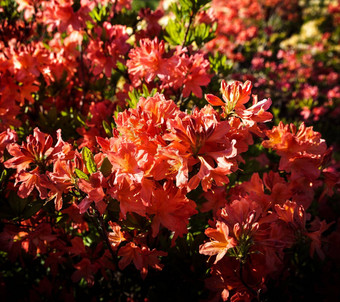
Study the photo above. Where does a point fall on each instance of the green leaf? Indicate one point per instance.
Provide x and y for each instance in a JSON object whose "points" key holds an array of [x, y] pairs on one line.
{"points": [[186, 5], [175, 31], [190, 238], [94, 15], [106, 167], [3, 176], [81, 120], [133, 98], [107, 129], [118, 109], [153, 92], [81, 174], [89, 160], [145, 91], [121, 66], [31, 209], [17, 204]]}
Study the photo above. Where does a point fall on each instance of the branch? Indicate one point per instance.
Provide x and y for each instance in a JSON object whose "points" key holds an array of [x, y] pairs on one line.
{"points": [[192, 15], [253, 292], [102, 229]]}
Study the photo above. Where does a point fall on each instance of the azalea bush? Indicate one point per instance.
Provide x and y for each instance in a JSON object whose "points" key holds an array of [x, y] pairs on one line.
{"points": [[164, 151]]}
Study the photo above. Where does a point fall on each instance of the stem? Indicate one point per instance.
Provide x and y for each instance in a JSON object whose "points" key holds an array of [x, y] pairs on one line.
{"points": [[253, 292], [179, 97], [102, 229], [192, 15], [84, 86], [114, 8]]}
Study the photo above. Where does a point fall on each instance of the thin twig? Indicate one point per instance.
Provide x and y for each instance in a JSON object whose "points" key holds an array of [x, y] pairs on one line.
{"points": [[114, 8], [102, 229], [84, 85], [192, 15], [245, 284]]}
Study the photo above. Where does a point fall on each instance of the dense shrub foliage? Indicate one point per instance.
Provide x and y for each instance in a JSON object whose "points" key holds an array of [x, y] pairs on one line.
{"points": [[169, 151]]}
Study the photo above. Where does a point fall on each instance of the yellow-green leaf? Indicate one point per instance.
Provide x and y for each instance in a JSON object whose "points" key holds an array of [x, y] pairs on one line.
{"points": [[81, 174], [89, 160]]}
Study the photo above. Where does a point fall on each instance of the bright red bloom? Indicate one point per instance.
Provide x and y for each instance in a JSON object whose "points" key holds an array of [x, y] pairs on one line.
{"points": [[171, 208], [60, 14], [28, 181], [94, 190], [301, 150], [146, 62], [203, 139], [72, 43], [103, 55], [142, 258], [27, 6], [38, 153], [170, 164], [197, 76], [158, 108], [145, 125], [255, 114], [7, 137], [220, 242], [62, 179], [94, 186], [292, 214], [186, 72], [129, 198], [85, 269], [208, 175], [234, 95], [62, 150], [127, 162], [116, 236], [153, 27], [242, 216], [277, 190], [36, 149]]}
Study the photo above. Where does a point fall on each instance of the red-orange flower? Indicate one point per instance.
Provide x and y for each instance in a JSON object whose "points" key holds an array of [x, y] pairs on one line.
{"points": [[171, 208], [220, 242], [142, 257], [234, 95], [7, 137], [94, 190], [146, 62], [116, 236], [36, 149], [201, 138], [301, 150]]}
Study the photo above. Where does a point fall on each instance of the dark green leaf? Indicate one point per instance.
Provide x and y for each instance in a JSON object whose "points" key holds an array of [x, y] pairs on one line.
{"points": [[106, 167], [17, 204], [31, 209]]}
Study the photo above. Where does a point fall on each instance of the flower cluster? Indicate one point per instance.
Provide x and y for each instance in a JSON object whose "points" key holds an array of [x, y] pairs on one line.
{"points": [[191, 143], [240, 22], [149, 61], [261, 219]]}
